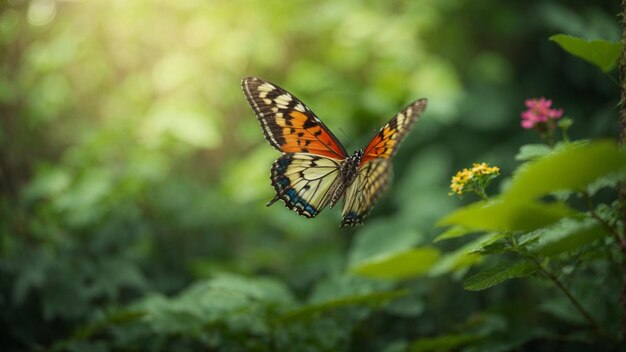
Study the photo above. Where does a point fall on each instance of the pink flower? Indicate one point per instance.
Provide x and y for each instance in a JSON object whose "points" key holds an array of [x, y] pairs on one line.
{"points": [[539, 113]]}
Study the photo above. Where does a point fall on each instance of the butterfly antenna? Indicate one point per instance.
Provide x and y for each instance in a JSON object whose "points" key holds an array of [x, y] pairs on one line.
{"points": [[345, 135]]}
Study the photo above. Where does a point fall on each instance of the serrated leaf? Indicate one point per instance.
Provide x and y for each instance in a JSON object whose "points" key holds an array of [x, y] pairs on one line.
{"points": [[531, 151], [453, 232], [492, 245], [502, 215], [609, 181], [601, 53], [494, 248], [529, 239], [399, 265], [571, 168], [568, 235], [497, 274]]}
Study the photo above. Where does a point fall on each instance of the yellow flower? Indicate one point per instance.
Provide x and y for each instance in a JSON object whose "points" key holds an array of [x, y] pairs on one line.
{"points": [[459, 180], [475, 179], [484, 169]]}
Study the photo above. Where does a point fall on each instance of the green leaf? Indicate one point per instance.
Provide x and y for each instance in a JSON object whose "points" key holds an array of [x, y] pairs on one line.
{"points": [[601, 53], [531, 151], [571, 168], [568, 235], [460, 259], [503, 215], [453, 232], [492, 244], [399, 265], [224, 299], [529, 239], [443, 343], [371, 298], [380, 239], [609, 181], [499, 273], [494, 248]]}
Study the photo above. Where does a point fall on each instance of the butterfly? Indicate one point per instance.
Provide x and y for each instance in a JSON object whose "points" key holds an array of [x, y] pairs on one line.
{"points": [[315, 170]]}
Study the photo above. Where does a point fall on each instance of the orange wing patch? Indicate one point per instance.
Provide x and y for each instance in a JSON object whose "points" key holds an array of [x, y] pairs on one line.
{"points": [[386, 141], [302, 135], [288, 124]]}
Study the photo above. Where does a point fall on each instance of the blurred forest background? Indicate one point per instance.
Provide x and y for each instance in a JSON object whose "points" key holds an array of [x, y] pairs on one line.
{"points": [[134, 175]]}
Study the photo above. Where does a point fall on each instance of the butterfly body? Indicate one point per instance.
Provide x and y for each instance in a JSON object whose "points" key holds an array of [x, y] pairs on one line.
{"points": [[347, 174], [315, 169]]}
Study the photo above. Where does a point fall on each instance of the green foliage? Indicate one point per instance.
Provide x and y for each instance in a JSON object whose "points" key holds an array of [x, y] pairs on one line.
{"points": [[535, 232], [443, 343], [601, 53], [232, 302], [497, 274], [572, 167], [531, 151], [453, 232], [399, 265], [312, 311], [133, 178], [461, 259], [507, 214], [567, 236]]}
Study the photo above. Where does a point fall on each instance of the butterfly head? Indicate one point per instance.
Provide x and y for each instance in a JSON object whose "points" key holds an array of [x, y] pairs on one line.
{"points": [[350, 167]]}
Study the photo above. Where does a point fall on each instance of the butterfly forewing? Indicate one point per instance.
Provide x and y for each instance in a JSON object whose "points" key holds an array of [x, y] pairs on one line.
{"points": [[305, 182], [288, 124], [385, 142]]}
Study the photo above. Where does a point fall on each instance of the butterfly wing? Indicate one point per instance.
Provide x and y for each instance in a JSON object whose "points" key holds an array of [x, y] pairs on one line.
{"points": [[305, 182], [375, 167], [288, 124], [361, 195], [385, 142]]}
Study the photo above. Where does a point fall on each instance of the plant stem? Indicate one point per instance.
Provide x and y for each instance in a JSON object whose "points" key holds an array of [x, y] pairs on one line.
{"points": [[548, 135], [567, 293], [621, 141], [614, 231], [525, 254], [482, 194]]}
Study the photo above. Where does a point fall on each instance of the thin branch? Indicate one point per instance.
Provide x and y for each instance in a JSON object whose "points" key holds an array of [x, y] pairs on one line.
{"points": [[569, 296], [513, 243], [614, 231]]}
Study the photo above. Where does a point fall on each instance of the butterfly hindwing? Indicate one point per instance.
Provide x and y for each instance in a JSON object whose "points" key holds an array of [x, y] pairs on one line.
{"points": [[305, 182], [385, 142], [361, 195], [288, 124]]}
